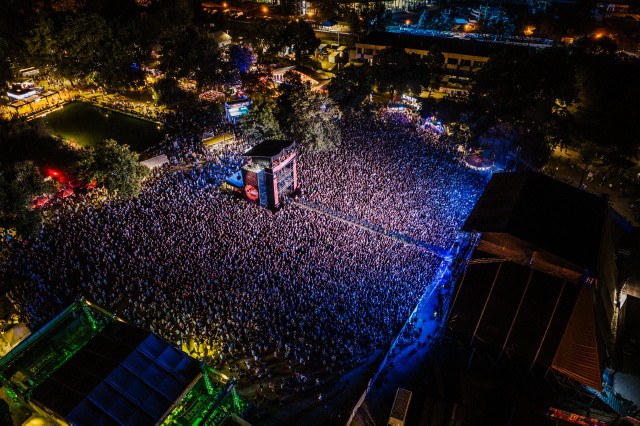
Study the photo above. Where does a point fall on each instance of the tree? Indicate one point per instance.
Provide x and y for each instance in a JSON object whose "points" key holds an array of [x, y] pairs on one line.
{"points": [[242, 56], [604, 114], [379, 17], [497, 142], [5, 65], [433, 63], [261, 123], [300, 37], [167, 91], [307, 116], [116, 166], [40, 43], [209, 68], [395, 70], [264, 37], [329, 9], [81, 45], [18, 186], [520, 88], [371, 17], [588, 151], [351, 87], [424, 19]]}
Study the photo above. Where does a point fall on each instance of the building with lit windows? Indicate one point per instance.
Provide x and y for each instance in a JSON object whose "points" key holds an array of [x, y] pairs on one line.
{"points": [[462, 57]]}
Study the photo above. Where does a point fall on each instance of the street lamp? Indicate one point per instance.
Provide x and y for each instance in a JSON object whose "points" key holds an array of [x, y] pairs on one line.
{"points": [[265, 9]]}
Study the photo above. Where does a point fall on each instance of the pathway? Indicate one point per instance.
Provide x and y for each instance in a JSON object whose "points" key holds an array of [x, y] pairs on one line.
{"points": [[438, 251]]}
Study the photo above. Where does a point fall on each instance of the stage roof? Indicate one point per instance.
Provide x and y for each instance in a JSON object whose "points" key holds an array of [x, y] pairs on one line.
{"points": [[535, 317], [124, 375], [269, 148], [88, 367], [519, 314], [542, 211]]}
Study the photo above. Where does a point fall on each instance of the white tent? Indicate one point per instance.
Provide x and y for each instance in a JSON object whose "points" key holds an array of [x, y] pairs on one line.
{"points": [[223, 39], [155, 161]]}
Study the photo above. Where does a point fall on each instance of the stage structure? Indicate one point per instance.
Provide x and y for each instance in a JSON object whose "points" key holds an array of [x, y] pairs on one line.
{"points": [[88, 367], [271, 172], [541, 287]]}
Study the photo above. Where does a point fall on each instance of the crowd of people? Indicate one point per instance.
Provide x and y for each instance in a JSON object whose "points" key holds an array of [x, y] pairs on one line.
{"points": [[280, 298], [391, 176]]}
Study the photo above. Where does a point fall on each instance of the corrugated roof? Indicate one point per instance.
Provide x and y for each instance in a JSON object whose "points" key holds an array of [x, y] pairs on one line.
{"points": [[579, 354], [124, 375], [526, 310]]}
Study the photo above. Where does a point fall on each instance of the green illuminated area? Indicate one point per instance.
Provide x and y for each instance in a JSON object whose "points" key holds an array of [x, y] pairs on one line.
{"points": [[209, 402], [32, 362]]}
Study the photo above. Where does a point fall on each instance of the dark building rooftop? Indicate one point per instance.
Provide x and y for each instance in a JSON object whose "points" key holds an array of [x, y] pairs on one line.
{"points": [[269, 148], [538, 306], [556, 217], [446, 44]]}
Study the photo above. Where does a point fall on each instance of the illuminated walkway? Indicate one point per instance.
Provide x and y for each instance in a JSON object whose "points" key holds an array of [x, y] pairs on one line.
{"points": [[438, 251]]}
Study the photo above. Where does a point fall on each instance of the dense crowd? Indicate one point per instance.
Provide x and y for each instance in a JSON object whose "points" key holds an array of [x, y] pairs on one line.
{"points": [[249, 289], [386, 174]]}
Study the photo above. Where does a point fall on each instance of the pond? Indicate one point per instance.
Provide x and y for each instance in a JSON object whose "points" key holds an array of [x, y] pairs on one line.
{"points": [[87, 124]]}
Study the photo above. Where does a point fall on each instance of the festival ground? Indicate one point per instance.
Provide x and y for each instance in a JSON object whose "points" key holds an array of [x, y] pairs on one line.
{"points": [[300, 306]]}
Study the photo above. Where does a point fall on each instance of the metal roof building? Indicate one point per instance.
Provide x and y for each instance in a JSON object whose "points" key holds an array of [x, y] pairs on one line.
{"points": [[541, 282], [88, 367]]}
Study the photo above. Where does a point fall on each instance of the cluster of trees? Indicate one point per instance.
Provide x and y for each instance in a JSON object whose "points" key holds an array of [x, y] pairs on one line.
{"points": [[271, 37], [28, 148], [393, 70], [555, 96], [293, 112], [522, 102], [115, 166], [101, 41], [19, 184]]}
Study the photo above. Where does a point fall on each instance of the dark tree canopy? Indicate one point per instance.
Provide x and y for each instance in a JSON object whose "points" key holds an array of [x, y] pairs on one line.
{"points": [[116, 166], [19, 184], [351, 87], [606, 112], [397, 71], [242, 57], [261, 123], [525, 87], [307, 116], [167, 91]]}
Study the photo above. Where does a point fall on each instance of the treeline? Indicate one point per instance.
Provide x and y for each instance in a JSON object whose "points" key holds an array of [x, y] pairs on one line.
{"points": [[291, 111], [100, 41], [525, 102]]}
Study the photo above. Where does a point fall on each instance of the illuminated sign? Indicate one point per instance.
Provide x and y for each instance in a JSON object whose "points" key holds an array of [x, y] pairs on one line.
{"points": [[574, 418], [251, 192], [410, 99]]}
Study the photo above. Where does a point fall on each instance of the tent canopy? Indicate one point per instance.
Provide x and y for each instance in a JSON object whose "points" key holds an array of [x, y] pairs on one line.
{"points": [[155, 161]]}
